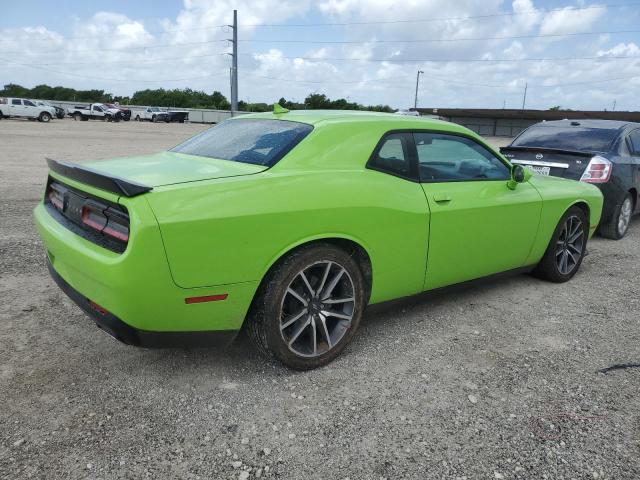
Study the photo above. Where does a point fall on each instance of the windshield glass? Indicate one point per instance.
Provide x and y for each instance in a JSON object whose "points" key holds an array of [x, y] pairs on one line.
{"points": [[567, 138], [154, 109], [257, 141]]}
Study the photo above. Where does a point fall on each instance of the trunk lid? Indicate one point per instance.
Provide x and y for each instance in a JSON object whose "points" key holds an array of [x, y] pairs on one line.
{"points": [[168, 168], [569, 164]]}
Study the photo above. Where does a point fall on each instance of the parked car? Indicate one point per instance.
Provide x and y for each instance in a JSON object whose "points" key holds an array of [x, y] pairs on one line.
{"points": [[59, 111], [178, 116], [21, 107], [288, 224], [95, 111], [153, 114], [605, 153], [157, 114], [126, 113]]}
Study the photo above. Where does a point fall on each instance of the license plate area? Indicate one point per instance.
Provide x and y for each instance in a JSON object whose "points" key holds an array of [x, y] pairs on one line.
{"points": [[539, 170]]}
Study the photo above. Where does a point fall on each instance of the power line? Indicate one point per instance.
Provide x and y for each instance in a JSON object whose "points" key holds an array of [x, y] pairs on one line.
{"points": [[451, 60], [437, 40], [441, 19]]}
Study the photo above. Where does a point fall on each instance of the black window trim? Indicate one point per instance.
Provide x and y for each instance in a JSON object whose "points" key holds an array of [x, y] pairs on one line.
{"points": [[409, 146], [413, 156]]}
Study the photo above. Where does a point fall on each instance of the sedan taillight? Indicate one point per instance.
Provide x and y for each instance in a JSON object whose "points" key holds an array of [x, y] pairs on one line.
{"points": [[598, 170]]}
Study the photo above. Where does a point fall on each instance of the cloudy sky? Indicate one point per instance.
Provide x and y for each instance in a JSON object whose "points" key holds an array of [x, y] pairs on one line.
{"points": [[474, 53]]}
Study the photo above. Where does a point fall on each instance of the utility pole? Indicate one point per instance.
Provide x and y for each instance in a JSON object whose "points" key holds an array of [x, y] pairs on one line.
{"points": [[524, 99], [415, 102], [234, 64], [614, 106]]}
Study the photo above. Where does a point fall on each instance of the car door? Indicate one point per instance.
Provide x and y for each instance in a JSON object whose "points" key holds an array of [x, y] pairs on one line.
{"points": [[478, 225], [16, 109], [30, 108]]}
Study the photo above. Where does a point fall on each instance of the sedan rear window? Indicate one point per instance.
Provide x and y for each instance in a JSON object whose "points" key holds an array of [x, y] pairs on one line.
{"points": [[567, 138], [256, 141]]}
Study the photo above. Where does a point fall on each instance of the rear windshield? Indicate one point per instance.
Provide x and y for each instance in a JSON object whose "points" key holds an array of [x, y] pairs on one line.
{"points": [[257, 141], [567, 138]]}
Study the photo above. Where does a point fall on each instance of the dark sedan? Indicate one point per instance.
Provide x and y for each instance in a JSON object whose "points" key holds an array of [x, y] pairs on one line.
{"points": [[603, 152]]}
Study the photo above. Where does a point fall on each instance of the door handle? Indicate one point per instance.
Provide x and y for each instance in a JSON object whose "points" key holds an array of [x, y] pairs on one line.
{"points": [[442, 197]]}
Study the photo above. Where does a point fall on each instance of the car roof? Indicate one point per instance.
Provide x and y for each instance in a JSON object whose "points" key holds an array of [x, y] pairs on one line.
{"points": [[588, 123], [392, 120]]}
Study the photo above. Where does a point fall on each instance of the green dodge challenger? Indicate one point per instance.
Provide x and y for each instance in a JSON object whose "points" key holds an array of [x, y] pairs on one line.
{"points": [[287, 224]]}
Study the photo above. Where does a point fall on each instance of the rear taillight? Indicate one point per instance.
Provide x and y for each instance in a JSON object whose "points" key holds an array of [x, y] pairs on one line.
{"points": [[108, 221], [117, 225], [93, 216], [56, 197], [598, 170]]}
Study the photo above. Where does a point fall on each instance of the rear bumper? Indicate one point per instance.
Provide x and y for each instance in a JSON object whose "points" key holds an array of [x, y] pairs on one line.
{"points": [[136, 287], [141, 338]]}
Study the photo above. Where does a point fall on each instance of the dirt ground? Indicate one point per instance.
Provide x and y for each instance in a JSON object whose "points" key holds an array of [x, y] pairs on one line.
{"points": [[498, 380]]}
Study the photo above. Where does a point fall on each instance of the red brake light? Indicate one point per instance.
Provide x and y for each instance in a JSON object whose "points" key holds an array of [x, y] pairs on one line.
{"points": [[598, 170], [56, 198], [117, 226], [92, 216]]}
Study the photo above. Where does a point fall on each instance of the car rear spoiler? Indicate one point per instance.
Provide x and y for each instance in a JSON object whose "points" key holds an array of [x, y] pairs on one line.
{"points": [[545, 149], [97, 179]]}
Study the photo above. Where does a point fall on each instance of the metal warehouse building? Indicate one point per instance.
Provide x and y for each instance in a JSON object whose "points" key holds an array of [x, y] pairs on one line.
{"points": [[509, 123]]}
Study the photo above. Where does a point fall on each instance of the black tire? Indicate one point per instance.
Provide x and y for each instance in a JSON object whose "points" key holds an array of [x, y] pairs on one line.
{"points": [[615, 228], [263, 323], [153, 118], [77, 116], [44, 117], [551, 266], [137, 119]]}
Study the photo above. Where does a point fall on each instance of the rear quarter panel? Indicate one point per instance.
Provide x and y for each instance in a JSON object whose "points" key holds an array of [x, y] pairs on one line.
{"points": [[232, 230]]}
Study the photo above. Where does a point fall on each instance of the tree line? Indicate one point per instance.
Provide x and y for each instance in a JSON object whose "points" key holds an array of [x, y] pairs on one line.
{"points": [[183, 98]]}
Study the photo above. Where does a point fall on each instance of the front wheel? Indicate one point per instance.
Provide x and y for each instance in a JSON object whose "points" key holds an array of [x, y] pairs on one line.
{"points": [[566, 249], [309, 307], [618, 225], [44, 117]]}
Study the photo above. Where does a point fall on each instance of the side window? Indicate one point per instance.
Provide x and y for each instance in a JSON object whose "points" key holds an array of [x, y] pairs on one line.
{"points": [[28, 103], [449, 158], [16, 101], [392, 155], [634, 140]]}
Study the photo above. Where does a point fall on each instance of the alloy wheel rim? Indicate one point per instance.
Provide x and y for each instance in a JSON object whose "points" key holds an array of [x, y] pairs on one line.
{"points": [[317, 308], [570, 245], [625, 217]]}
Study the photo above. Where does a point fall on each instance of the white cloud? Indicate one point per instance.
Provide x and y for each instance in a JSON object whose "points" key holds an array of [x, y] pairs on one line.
{"points": [[570, 20]]}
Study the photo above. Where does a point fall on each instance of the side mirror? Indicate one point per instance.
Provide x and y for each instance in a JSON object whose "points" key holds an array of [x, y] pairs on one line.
{"points": [[519, 174]]}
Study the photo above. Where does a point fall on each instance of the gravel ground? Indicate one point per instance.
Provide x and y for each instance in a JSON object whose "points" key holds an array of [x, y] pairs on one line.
{"points": [[496, 380]]}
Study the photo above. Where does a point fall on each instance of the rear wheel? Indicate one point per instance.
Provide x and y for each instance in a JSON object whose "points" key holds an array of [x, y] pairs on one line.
{"points": [[618, 225], [77, 116], [137, 118], [566, 249], [309, 307]]}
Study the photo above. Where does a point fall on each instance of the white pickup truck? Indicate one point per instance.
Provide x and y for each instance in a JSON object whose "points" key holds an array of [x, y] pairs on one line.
{"points": [[95, 111], [157, 114], [21, 107]]}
